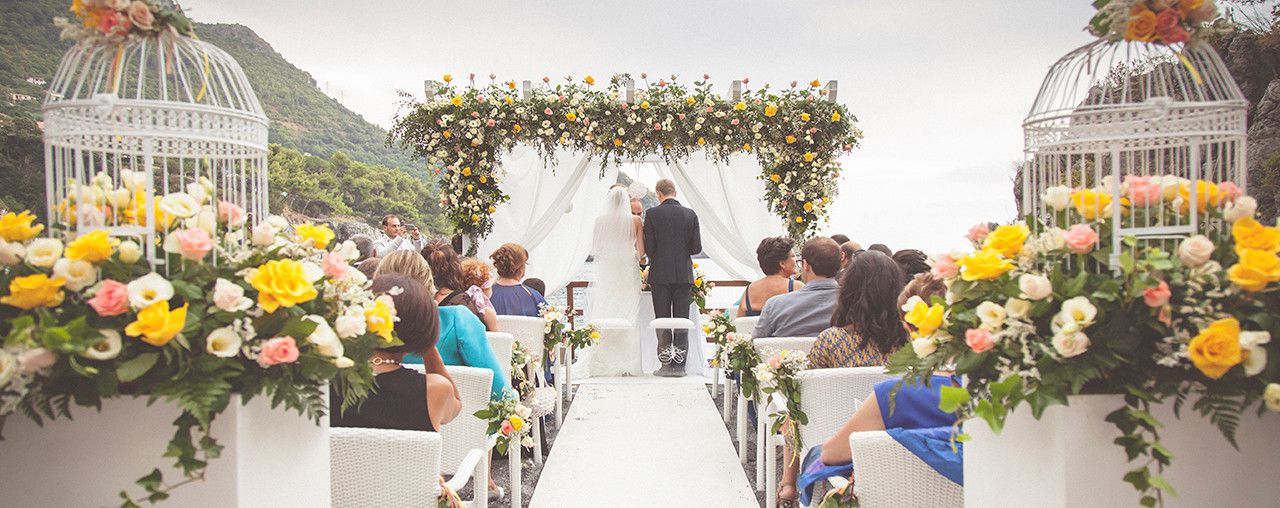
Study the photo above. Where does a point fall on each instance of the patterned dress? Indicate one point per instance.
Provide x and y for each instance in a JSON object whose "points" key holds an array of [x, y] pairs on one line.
{"points": [[838, 347]]}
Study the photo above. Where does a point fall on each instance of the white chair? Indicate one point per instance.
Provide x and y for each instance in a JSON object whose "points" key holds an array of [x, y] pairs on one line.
{"points": [[745, 325], [674, 324], [393, 468], [466, 432], [528, 331], [887, 475], [828, 397], [766, 346], [502, 344]]}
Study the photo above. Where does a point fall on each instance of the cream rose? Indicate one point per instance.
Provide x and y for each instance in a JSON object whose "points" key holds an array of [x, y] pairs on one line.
{"points": [[924, 346], [179, 204], [324, 338], [11, 253], [44, 252], [350, 325], [1079, 310], [1272, 396], [264, 234], [1255, 356], [79, 274], [130, 252], [223, 342], [1244, 207], [149, 289], [105, 349], [344, 363], [229, 296], [1057, 197], [1195, 251], [992, 316], [1035, 287], [1070, 344]]}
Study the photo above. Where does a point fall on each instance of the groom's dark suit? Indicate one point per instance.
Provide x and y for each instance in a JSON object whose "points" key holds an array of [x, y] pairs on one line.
{"points": [[671, 236]]}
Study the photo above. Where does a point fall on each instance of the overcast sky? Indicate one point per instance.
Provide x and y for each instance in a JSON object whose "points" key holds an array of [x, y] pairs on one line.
{"points": [[939, 87]]}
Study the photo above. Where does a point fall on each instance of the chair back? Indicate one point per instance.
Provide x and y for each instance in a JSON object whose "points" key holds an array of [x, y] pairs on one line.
{"points": [[830, 396], [383, 467], [466, 432], [528, 331], [763, 344], [746, 325], [502, 343]]}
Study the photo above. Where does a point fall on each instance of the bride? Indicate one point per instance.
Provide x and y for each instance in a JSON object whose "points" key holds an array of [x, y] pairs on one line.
{"points": [[613, 298]]}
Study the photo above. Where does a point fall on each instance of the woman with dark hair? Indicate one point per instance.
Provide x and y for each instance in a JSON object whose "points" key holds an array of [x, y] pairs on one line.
{"points": [[446, 267], [510, 296], [778, 262], [912, 261], [405, 399]]}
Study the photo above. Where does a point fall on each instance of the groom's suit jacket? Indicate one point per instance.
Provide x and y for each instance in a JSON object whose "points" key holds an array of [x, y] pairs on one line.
{"points": [[671, 236]]}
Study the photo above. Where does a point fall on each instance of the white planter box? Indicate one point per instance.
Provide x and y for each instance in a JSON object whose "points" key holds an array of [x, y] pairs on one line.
{"points": [[1067, 460], [272, 458]]}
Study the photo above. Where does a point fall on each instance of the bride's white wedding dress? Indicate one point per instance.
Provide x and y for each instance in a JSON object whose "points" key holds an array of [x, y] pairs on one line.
{"points": [[613, 297]]}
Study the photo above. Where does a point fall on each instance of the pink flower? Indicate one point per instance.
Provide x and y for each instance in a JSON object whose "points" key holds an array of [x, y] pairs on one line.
{"points": [[547, 111], [491, 123], [746, 80], [1166, 20], [978, 232], [475, 114], [1176, 35], [546, 79], [813, 130], [758, 102], [657, 126], [193, 244], [113, 23], [35, 359], [506, 428], [333, 265], [775, 362], [278, 350], [1142, 191], [662, 82], [1081, 238], [141, 15], [112, 298], [734, 121], [710, 108], [1229, 191], [945, 267], [1157, 296], [979, 340], [680, 115], [231, 214], [644, 75]]}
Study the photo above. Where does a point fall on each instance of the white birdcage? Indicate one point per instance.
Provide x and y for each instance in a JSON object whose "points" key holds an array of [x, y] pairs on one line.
{"points": [[130, 122], [1170, 115]]}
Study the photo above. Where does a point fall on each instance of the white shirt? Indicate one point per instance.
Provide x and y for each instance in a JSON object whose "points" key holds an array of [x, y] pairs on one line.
{"points": [[384, 245]]}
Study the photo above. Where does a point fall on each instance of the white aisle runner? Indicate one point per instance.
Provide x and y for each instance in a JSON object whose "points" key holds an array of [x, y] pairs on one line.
{"points": [[643, 442]]}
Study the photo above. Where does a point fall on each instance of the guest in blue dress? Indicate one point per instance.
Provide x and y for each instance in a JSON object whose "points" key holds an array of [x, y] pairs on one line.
{"points": [[509, 296]]}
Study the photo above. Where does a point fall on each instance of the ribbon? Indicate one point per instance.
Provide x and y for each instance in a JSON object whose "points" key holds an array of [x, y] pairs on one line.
{"points": [[1195, 75]]}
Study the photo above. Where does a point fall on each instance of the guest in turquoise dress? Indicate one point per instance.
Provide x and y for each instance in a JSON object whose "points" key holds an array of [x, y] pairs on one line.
{"points": [[510, 297]]}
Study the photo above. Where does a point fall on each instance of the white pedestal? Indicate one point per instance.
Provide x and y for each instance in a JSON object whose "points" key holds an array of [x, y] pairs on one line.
{"points": [[1067, 460], [272, 458]]}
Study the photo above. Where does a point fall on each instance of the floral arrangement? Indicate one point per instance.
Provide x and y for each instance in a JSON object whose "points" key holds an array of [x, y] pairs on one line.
{"points": [[585, 336], [740, 357], [1038, 315], [278, 316], [777, 376], [553, 331], [718, 325], [522, 359], [644, 279], [114, 21], [463, 131], [701, 288], [507, 418], [1156, 21]]}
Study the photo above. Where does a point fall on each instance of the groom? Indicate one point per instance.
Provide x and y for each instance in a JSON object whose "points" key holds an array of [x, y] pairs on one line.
{"points": [[670, 237]]}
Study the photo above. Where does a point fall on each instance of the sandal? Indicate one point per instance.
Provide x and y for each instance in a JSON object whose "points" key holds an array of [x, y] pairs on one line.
{"points": [[497, 495]]}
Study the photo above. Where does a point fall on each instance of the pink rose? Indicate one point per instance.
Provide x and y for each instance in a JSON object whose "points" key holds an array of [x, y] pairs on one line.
{"points": [[547, 111], [114, 23], [775, 362], [657, 126], [491, 123], [1142, 191], [1229, 191], [193, 244], [979, 340], [681, 115], [1157, 296], [1176, 35], [734, 121], [334, 266], [141, 15], [1081, 238], [945, 267], [231, 214], [112, 298], [1166, 20], [506, 428], [978, 232], [278, 350], [35, 359]]}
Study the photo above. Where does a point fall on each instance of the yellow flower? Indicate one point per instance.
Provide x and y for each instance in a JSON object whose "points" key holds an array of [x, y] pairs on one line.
{"points": [[589, 80], [447, 134], [456, 100], [1255, 269], [517, 422], [509, 100], [985, 264], [775, 178], [466, 171], [1250, 234], [1206, 194], [740, 106], [835, 116], [484, 179], [94, 247], [320, 236], [790, 139], [475, 218], [1090, 203], [702, 140], [471, 188], [808, 206], [1217, 348], [804, 117], [18, 228], [516, 128], [571, 116], [1008, 239], [770, 111], [746, 147], [697, 282], [380, 319], [511, 85], [926, 318], [34, 291], [808, 156], [448, 78], [644, 105], [492, 209], [815, 83], [282, 283], [1142, 24], [799, 219], [617, 142], [689, 100], [157, 324]]}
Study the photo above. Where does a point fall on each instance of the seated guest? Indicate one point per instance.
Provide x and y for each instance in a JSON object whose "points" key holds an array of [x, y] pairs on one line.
{"points": [[364, 245], [510, 297], [925, 286], [840, 239], [447, 269], [847, 251], [807, 311], [881, 248], [405, 399], [779, 266], [368, 267], [478, 279], [462, 338], [912, 261], [536, 284]]}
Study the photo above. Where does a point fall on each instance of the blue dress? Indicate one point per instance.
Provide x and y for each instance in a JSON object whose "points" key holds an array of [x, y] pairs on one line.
{"points": [[519, 300], [463, 342]]}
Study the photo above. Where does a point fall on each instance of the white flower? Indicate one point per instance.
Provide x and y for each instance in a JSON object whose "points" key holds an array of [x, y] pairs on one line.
{"points": [[36, 360], [223, 342], [523, 411], [924, 346], [44, 252], [1242, 208], [1195, 251], [763, 375], [1070, 344], [1169, 186], [92, 216], [1035, 287], [149, 289], [133, 180], [119, 198], [1271, 395], [324, 338], [130, 252], [348, 251], [1057, 198], [179, 204], [229, 296], [11, 253], [79, 274], [207, 220], [351, 324], [1079, 310], [280, 223], [911, 303], [264, 234], [992, 315], [313, 271], [8, 368], [1052, 240], [105, 349], [1017, 308], [344, 363], [1255, 356], [200, 190]]}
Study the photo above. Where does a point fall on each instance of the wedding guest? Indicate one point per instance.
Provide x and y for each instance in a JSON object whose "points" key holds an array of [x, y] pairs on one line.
{"points": [[912, 261], [840, 239], [637, 208], [536, 284], [924, 285], [368, 267], [807, 311], [510, 296], [779, 266], [477, 277], [392, 237], [881, 248], [364, 245], [847, 251], [405, 399], [447, 269]]}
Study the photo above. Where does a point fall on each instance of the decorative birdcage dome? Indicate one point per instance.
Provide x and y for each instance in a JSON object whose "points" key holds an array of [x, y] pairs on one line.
{"points": [[136, 125], [1130, 135]]}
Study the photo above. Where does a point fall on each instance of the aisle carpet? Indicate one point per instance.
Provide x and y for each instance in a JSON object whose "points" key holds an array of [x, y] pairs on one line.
{"points": [[643, 442]]}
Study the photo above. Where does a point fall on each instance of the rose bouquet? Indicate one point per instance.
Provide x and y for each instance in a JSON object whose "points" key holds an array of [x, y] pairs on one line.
{"points": [[583, 337], [522, 359], [508, 418], [740, 357], [555, 324], [1038, 315], [701, 288], [117, 20], [1156, 21], [777, 377], [718, 325]]}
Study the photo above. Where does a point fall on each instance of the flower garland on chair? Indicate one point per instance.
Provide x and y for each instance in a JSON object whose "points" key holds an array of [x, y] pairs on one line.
{"points": [[777, 375]]}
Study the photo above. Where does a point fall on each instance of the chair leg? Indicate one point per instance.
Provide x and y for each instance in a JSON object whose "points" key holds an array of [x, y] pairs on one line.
{"points": [[771, 473], [728, 397], [555, 369], [515, 483], [568, 373], [741, 428], [761, 442], [480, 483], [537, 440], [715, 382]]}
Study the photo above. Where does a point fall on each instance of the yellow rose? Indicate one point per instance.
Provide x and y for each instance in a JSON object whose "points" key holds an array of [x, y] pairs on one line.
{"points": [[492, 209], [618, 142], [644, 105], [511, 85], [448, 78], [589, 80], [517, 422], [926, 318], [702, 140], [770, 111], [447, 134], [380, 318], [790, 139], [34, 291], [282, 283], [475, 218], [516, 128], [775, 178], [1090, 203], [1250, 234], [157, 325], [320, 236], [815, 83], [746, 147], [808, 206], [466, 171], [1255, 269], [808, 156], [94, 247], [456, 100], [1142, 24], [740, 106], [1206, 194], [1217, 348], [689, 100], [835, 117], [697, 282], [571, 116], [799, 219], [985, 264], [1007, 239], [18, 228], [804, 117], [484, 179]]}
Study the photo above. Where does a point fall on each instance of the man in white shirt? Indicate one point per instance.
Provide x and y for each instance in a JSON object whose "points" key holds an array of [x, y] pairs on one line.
{"points": [[392, 238]]}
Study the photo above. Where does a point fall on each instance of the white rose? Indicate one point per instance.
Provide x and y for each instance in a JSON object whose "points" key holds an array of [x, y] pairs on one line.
{"points": [[11, 253], [1242, 208], [1255, 356], [924, 346], [278, 221], [1070, 344], [119, 198], [223, 342], [1079, 310], [78, 274], [523, 411], [1053, 239], [1057, 197], [149, 289], [264, 234], [344, 363], [911, 303], [44, 252], [36, 360], [348, 251], [1017, 308], [1169, 186], [8, 368], [207, 220], [324, 338], [200, 190], [92, 216], [992, 315], [1271, 395], [350, 325], [105, 349], [1035, 287], [312, 271], [229, 296], [1195, 251], [179, 204], [130, 252]]}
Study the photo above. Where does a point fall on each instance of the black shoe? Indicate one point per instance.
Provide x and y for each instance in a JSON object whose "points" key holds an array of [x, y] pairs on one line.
{"points": [[670, 370]]}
